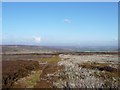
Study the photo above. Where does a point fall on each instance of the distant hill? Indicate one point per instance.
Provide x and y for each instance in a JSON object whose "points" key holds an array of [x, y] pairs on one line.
{"points": [[15, 49]]}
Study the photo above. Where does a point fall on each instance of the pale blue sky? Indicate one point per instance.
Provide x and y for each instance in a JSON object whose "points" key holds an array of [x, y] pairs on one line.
{"points": [[60, 23]]}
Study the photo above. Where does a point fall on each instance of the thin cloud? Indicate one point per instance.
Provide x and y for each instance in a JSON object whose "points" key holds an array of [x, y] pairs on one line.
{"points": [[37, 39], [67, 20]]}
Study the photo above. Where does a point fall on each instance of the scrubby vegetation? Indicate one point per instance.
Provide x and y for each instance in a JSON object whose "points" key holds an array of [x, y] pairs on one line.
{"points": [[28, 81], [17, 73], [61, 71], [99, 66], [107, 73], [14, 70], [47, 77]]}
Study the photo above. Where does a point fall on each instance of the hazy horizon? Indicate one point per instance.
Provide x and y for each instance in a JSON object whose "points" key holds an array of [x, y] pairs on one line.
{"points": [[60, 24]]}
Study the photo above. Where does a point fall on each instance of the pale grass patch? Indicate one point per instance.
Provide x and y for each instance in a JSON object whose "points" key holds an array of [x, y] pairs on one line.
{"points": [[53, 59], [29, 81]]}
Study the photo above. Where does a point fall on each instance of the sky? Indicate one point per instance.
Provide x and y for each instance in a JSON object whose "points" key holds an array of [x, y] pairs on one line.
{"points": [[66, 24], [0, 23]]}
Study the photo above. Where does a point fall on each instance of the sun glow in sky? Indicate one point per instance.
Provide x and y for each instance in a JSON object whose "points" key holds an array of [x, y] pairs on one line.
{"points": [[60, 23]]}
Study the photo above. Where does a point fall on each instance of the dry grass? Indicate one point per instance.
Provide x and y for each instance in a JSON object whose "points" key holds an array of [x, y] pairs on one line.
{"points": [[14, 70], [29, 81], [91, 65], [34, 81], [46, 81], [99, 66], [53, 59]]}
